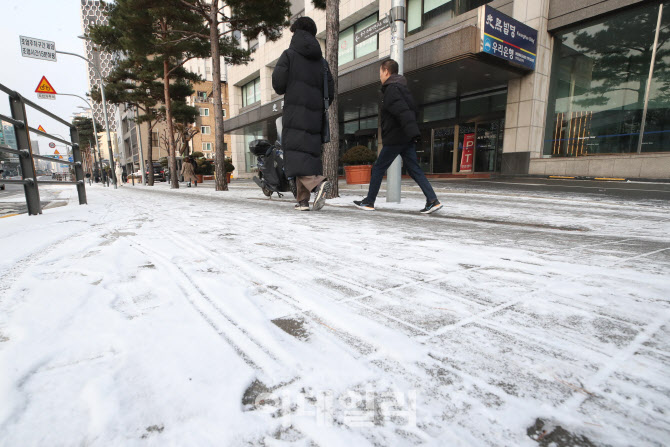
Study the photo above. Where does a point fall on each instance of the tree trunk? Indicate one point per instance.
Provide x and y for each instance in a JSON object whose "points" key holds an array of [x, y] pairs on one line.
{"points": [[331, 151], [219, 144], [174, 181], [150, 157]]}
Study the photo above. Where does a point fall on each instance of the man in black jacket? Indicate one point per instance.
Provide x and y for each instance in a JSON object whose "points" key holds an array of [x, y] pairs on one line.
{"points": [[299, 76], [399, 135]]}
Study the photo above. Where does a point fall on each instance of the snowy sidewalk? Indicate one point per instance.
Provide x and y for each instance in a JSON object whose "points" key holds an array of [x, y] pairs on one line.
{"points": [[191, 317]]}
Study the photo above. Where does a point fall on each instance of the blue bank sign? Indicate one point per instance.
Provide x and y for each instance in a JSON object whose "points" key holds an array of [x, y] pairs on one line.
{"points": [[508, 39]]}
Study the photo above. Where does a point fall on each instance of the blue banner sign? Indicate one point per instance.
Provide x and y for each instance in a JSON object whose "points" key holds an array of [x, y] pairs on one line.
{"points": [[508, 39]]}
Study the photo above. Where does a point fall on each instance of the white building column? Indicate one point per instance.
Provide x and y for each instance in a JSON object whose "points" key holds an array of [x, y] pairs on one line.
{"points": [[527, 97]]}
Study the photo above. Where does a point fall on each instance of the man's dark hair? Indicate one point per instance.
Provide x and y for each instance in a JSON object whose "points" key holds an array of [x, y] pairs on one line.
{"points": [[391, 66], [305, 24]]}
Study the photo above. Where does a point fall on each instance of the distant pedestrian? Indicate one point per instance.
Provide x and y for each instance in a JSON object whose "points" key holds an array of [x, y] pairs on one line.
{"points": [[400, 133], [299, 76], [119, 174], [188, 172]]}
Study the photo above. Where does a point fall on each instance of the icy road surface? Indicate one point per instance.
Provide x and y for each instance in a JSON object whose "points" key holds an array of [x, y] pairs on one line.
{"points": [[196, 318]]}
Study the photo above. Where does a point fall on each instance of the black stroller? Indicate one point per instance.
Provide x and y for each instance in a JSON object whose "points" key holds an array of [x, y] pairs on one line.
{"points": [[271, 177]]}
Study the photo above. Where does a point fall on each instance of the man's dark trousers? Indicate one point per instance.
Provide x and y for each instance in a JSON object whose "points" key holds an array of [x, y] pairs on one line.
{"points": [[410, 161]]}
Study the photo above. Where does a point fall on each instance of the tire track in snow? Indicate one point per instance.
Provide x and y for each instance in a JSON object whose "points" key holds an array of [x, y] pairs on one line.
{"points": [[256, 356]]}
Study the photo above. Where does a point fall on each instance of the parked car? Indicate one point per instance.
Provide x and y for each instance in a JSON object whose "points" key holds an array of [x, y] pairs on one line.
{"points": [[159, 172], [2, 185]]}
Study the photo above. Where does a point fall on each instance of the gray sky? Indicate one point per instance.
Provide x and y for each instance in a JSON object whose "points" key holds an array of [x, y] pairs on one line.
{"points": [[55, 20]]}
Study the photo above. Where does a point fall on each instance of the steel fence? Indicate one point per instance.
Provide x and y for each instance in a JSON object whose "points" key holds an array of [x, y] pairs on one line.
{"points": [[19, 120]]}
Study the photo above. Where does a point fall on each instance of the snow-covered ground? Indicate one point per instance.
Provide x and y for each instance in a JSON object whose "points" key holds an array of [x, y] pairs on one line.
{"points": [[197, 318]]}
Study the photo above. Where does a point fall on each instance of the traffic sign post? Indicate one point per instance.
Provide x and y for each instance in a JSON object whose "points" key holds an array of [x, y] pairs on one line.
{"points": [[38, 48], [41, 129], [45, 90], [52, 145]]}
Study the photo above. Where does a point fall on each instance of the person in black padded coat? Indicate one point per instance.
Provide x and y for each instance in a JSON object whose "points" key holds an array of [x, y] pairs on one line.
{"points": [[298, 76], [400, 132]]}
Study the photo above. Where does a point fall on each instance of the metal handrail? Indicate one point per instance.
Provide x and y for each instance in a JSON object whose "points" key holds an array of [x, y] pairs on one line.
{"points": [[44, 134], [26, 157], [30, 181], [26, 153], [55, 160], [11, 120], [16, 95]]}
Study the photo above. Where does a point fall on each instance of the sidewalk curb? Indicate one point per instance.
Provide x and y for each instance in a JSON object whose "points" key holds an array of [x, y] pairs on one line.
{"points": [[586, 178]]}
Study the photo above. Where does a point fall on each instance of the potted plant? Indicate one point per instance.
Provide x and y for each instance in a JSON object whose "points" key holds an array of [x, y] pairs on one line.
{"points": [[203, 167], [230, 167], [358, 165]]}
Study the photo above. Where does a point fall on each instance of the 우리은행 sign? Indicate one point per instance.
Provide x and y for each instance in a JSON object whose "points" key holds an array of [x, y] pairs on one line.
{"points": [[468, 152], [508, 39]]}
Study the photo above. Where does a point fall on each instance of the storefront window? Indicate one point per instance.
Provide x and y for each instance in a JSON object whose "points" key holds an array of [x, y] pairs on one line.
{"points": [[483, 104], [348, 50], [440, 111], [598, 85], [351, 127], [251, 92], [251, 133], [423, 14], [370, 45], [657, 125]]}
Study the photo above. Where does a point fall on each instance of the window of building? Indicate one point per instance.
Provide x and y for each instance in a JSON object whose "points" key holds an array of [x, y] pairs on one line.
{"points": [[440, 111], [204, 111], [237, 36], [253, 132], [154, 139], [598, 86], [483, 103], [297, 7], [251, 92], [252, 44], [348, 50], [205, 130], [206, 146], [201, 96], [422, 14], [224, 112]]}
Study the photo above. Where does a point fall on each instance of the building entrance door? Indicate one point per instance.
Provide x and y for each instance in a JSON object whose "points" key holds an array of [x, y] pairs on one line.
{"points": [[488, 146], [443, 150]]}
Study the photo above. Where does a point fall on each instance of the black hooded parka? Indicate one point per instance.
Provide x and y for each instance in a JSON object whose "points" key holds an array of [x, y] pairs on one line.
{"points": [[299, 77]]}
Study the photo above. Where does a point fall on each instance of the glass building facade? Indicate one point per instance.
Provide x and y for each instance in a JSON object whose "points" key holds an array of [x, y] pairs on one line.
{"points": [[598, 99]]}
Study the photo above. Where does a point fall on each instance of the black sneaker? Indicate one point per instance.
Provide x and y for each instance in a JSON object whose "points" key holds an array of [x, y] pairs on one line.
{"points": [[321, 192], [364, 205], [431, 207], [302, 205]]}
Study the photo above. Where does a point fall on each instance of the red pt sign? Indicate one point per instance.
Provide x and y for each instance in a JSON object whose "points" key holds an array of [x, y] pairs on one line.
{"points": [[468, 152]]}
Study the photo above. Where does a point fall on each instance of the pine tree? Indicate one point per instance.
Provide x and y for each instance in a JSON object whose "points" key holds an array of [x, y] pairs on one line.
{"points": [[165, 35], [133, 82], [249, 18]]}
